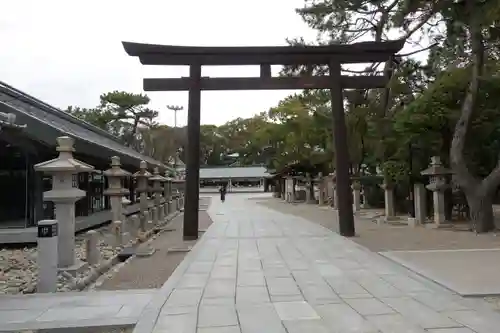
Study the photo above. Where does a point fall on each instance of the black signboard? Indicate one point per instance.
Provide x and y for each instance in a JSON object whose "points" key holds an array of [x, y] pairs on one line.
{"points": [[47, 230]]}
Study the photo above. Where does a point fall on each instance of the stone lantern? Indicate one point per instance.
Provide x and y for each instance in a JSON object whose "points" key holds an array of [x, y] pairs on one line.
{"points": [[309, 189], [179, 186], [142, 177], [115, 190], [157, 180], [64, 195], [437, 173], [356, 195], [321, 189]]}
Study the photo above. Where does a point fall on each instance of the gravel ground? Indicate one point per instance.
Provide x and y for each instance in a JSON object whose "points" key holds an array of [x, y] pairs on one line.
{"points": [[153, 271]]}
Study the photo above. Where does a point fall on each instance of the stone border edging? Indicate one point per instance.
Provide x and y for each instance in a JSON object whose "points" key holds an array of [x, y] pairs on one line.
{"points": [[151, 312]]}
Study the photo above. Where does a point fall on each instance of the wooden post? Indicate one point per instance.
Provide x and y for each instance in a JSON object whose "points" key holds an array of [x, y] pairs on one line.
{"points": [[193, 156], [345, 213]]}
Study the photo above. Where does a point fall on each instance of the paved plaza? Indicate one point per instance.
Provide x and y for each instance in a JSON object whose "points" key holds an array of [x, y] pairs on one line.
{"points": [[258, 270]]}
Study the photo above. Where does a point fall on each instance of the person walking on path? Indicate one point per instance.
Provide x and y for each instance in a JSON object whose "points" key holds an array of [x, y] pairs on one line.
{"points": [[222, 191]]}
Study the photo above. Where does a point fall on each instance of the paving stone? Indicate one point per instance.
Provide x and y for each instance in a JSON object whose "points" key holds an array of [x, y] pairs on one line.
{"points": [[394, 323], [19, 316], [319, 294], [295, 311], [329, 270], [478, 322], [193, 281], [259, 319], [246, 279], [255, 294], [287, 298], [345, 286], [405, 283], [342, 318], [451, 330], [307, 277], [217, 315], [199, 267], [223, 272], [420, 314], [306, 326], [79, 313], [227, 329], [219, 288], [298, 265], [369, 306], [183, 323], [379, 287], [278, 271], [250, 265], [282, 286], [355, 296], [439, 302], [218, 301], [177, 310], [185, 297]]}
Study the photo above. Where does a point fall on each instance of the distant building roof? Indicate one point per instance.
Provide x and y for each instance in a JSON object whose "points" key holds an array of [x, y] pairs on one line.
{"points": [[45, 123], [233, 172]]}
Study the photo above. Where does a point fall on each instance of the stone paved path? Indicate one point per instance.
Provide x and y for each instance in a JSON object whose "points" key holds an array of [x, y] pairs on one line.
{"points": [[257, 270], [20, 313]]}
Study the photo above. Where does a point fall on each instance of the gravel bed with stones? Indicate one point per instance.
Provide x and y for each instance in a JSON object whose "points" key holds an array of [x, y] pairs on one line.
{"points": [[18, 267]]}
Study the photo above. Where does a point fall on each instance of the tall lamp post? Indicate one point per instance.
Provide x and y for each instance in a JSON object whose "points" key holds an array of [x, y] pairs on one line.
{"points": [[175, 109]]}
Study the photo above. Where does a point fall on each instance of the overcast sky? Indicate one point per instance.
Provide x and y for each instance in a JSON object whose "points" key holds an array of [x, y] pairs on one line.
{"points": [[69, 52]]}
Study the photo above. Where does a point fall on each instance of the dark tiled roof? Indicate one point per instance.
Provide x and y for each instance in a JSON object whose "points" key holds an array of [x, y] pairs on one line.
{"points": [[45, 122]]}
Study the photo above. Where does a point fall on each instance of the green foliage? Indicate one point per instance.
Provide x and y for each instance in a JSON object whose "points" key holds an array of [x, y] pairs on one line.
{"points": [[436, 111]]}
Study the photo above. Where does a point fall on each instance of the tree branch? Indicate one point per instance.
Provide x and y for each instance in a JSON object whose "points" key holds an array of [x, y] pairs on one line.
{"points": [[417, 51]]}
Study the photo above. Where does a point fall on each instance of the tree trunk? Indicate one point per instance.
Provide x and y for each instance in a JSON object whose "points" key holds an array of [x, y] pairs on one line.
{"points": [[481, 211]]}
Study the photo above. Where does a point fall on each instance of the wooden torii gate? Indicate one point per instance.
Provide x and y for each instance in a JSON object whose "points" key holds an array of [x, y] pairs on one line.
{"points": [[331, 55]]}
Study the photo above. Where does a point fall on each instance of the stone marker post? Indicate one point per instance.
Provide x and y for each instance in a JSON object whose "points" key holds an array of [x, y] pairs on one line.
{"points": [[167, 193], [335, 199], [64, 195], [142, 177], [438, 185], [390, 212], [127, 228], [420, 203], [47, 256], [356, 196], [115, 190], [157, 180], [321, 189], [92, 254]]}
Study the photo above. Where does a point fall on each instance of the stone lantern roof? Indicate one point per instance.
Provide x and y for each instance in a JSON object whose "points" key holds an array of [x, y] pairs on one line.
{"points": [[157, 177], [167, 177], [65, 161], [116, 170], [436, 168], [143, 171], [115, 174]]}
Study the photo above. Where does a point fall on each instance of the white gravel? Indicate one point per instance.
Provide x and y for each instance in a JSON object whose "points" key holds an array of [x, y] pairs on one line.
{"points": [[18, 267]]}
